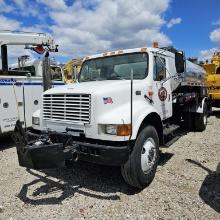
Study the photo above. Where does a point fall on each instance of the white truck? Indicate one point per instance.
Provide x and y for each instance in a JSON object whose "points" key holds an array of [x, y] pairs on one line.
{"points": [[21, 86], [126, 105], [34, 67]]}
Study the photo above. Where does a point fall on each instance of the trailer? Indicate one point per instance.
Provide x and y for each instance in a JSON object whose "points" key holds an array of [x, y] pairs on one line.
{"points": [[126, 105], [21, 85]]}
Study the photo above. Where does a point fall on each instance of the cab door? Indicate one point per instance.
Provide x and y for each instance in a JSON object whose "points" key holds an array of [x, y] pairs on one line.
{"points": [[162, 95]]}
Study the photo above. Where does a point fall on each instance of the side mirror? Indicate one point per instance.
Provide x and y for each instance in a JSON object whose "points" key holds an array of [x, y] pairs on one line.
{"points": [[179, 62]]}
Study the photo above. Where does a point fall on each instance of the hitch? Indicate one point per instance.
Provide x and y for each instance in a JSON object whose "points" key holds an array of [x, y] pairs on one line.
{"points": [[42, 151]]}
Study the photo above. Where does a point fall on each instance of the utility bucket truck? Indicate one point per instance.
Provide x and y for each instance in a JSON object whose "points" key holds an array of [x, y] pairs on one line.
{"points": [[127, 104], [21, 86]]}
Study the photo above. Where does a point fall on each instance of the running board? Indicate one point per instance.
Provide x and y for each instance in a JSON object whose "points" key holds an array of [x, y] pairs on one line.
{"points": [[170, 130], [173, 139]]}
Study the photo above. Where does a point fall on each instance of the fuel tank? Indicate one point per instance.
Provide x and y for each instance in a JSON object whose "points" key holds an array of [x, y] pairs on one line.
{"points": [[194, 75]]}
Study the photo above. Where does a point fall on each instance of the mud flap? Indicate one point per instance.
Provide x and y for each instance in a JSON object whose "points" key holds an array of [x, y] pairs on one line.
{"points": [[37, 152]]}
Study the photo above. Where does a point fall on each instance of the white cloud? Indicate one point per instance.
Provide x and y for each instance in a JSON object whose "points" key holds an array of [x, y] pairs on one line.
{"points": [[92, 26], [8, 24], [27, 8], [207, 54], [217, 22], [15, 51], [215, 36], [55, 4], [4, 7], [173, 22], [105, 25], [20, 3]]}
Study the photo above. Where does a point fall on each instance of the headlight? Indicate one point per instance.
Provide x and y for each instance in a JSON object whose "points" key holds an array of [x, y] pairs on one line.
{"points": [[111, 129], [35, 121], [119, 130]]}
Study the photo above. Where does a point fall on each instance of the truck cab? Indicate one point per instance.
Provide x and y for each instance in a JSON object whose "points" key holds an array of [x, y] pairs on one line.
{"points": [[123, 108]]}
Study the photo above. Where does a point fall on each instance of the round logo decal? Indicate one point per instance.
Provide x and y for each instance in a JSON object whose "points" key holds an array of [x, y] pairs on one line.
{"points": [[162, 94]]}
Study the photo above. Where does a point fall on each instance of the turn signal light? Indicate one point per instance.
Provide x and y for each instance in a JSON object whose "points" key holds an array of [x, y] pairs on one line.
{"points": [[150, 93], [124, 130]]}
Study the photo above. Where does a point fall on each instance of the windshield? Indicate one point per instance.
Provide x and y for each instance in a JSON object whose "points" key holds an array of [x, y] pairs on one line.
{"points": [[115, 68]]}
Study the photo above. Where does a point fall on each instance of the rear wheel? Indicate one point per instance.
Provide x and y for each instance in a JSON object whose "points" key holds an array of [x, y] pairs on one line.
{"points": [[140, 169], [200, 120], [187, 121]]}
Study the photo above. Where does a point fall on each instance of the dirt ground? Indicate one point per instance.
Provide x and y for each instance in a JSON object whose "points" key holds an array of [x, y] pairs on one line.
{"points": [[186, 186]]}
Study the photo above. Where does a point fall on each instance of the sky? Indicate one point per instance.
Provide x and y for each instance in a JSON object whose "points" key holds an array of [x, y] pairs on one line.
{"points": [[84, 27]]}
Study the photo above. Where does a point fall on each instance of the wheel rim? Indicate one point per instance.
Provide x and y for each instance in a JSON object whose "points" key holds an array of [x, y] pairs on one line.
{"points": [[205, 119], [148, 155]]}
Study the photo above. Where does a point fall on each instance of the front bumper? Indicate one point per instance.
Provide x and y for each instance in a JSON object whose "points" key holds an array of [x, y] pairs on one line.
{"points": [[52, 150]]}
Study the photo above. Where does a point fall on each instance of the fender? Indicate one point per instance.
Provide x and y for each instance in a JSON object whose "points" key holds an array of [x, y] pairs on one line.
{"points": [[120, 115], [139, 119]]}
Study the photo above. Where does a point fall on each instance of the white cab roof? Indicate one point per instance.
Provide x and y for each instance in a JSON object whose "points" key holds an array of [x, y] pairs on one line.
{"points": [[127, 51]]}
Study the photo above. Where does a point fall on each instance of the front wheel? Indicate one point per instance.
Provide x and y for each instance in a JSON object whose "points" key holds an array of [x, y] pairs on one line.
{"points": [[140, 169]]}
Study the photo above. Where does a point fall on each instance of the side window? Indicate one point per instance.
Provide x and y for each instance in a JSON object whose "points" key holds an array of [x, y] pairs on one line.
{"points": [[159, 68]]}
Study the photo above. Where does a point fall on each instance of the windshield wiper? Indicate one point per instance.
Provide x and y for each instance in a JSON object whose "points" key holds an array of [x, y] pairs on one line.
{"points": [[115, 77], [90, 80]]}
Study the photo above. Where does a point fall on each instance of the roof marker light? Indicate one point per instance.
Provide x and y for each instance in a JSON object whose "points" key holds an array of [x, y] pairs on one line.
{"points": [[143, 49], [155, 44]]}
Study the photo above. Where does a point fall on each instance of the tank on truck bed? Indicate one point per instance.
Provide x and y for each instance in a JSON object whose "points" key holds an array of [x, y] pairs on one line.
{"points": [[193, 75]]}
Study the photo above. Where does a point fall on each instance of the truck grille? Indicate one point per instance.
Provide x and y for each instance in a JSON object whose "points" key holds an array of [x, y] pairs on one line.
{"points": [[67, 107]]}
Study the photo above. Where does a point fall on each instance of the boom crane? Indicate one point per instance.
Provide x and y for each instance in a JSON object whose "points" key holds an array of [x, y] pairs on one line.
{"points": [[34, 41], [21, 89]]}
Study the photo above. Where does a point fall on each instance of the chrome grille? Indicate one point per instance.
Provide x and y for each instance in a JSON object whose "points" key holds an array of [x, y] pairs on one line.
{"points": [[67, 107]]}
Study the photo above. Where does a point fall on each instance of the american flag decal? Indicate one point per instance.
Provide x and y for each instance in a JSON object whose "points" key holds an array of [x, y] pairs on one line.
{"points": [[107, 100]]}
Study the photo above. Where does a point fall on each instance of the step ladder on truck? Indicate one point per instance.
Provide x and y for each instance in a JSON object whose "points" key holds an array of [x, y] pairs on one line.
{"points": [[21, 88], [126, 104]]}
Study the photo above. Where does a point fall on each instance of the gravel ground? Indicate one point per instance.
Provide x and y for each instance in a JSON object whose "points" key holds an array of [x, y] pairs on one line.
{"points": [[186, 186]]}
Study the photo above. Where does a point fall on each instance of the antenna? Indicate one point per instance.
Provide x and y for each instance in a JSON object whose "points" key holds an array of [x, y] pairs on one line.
{"points": [[132, 76]]}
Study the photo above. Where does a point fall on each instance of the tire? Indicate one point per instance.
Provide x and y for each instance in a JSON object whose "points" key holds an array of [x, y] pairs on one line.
{"points": [[140, 169], [200, 119], [187, 121], [209, 110]]}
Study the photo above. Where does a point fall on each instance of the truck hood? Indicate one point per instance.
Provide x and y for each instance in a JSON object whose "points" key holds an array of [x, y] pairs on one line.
{"points": [[94, 87]]}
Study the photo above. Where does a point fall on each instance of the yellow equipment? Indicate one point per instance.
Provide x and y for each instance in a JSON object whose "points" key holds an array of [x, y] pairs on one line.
{"points": [[71, 70], [213, 80]]}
